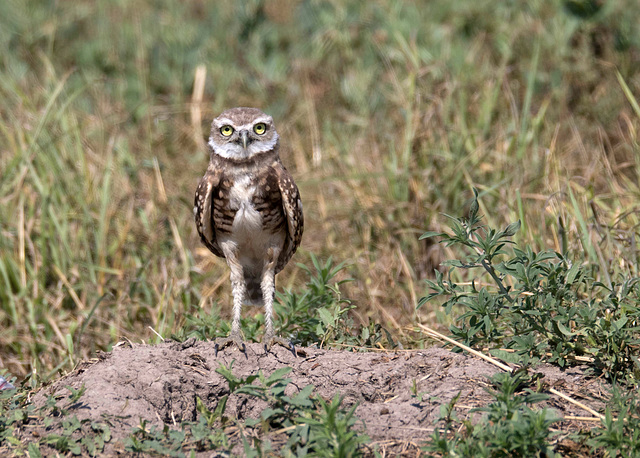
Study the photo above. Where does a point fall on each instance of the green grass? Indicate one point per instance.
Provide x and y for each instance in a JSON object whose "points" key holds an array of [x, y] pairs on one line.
{"points": [[389, 113]]}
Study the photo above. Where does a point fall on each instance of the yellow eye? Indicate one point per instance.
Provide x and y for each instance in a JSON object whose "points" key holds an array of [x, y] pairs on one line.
{"points": [[260, 128], [226, 130]]}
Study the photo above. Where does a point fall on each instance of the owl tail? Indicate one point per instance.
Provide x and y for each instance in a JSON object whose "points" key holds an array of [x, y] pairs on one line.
{"points": [[254, 292]]}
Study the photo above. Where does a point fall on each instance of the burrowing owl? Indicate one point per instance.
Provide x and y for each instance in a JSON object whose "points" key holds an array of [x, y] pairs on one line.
{"points": [[248, 210]]}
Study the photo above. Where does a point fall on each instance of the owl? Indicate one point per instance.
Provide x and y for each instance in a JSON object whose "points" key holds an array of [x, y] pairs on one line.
{"points": [[248, 210]]}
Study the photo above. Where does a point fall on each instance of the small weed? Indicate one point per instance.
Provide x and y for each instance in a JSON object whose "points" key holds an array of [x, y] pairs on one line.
{"points": [[509, 426], [313, 426], [414, 391], [320, 313], [163, 441], [329, 431], [619, 434]]}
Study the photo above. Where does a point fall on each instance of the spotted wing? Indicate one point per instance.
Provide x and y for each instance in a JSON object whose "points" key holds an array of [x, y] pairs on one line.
{"points": [[292, 206], [203, 208]]}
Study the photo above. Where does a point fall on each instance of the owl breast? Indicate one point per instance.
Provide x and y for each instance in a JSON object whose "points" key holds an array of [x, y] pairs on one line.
{"points": [[247, 218], [253, 230]]}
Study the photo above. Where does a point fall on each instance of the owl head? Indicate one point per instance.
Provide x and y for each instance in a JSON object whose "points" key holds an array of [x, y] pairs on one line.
{"points": [[241, 133]]}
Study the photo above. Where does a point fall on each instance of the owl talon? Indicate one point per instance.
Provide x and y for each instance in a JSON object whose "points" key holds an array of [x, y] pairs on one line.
{"points": [[226, 341], [269, 341]]}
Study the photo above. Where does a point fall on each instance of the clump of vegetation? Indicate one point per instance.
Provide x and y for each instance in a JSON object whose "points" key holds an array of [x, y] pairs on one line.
{"points": [[619, 434], [317, 315], [527, 307], [75, 437], [313, 426], [543, 306], [509, 427]]}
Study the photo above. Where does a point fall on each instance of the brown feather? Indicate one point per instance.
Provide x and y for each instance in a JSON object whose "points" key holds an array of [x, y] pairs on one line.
{"points": [[292, 206], [277, 200], [203, 206]]}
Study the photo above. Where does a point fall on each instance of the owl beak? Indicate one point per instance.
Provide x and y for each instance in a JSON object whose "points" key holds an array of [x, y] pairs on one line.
{"points": [[244, 136]]}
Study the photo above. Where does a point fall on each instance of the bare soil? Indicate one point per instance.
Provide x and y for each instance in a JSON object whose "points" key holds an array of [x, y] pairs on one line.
{"points": [[160, 384]]}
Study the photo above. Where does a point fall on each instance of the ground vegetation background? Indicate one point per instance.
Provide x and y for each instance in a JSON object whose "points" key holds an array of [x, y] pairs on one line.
{"points": [[390, 115]]}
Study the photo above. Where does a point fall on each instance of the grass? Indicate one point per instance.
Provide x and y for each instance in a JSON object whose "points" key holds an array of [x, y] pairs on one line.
{"points": [[389, 113]]}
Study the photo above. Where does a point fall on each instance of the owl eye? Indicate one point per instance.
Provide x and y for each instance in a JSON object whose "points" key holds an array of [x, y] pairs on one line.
{"points": [[226, 130], [260, 128]]}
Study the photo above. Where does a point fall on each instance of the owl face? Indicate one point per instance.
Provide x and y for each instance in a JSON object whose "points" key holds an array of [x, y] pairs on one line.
{"points": [[241, 133]]}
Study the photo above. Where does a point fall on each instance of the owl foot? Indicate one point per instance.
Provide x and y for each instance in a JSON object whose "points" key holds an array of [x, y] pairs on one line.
{"points": [[222, 342], [268, 342]]}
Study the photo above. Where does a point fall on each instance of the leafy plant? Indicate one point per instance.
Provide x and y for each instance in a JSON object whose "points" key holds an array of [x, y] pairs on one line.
{"points": [[509, 425], [319, 313], [619, 433], [314, 426], [163, 440], [203, 325], [327, 431], [15, 411], [78, 437], [542, 305]]}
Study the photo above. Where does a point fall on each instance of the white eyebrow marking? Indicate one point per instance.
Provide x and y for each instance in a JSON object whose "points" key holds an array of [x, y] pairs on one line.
{"points": [[226, 121], [222, 122]]}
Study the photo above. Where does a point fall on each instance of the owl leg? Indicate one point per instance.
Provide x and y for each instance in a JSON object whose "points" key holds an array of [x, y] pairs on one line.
{"points": [[268, 286], [238, 290]]}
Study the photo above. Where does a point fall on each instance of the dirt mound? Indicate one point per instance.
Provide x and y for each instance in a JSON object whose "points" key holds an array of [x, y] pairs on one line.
{"points": [[161, 384]]}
